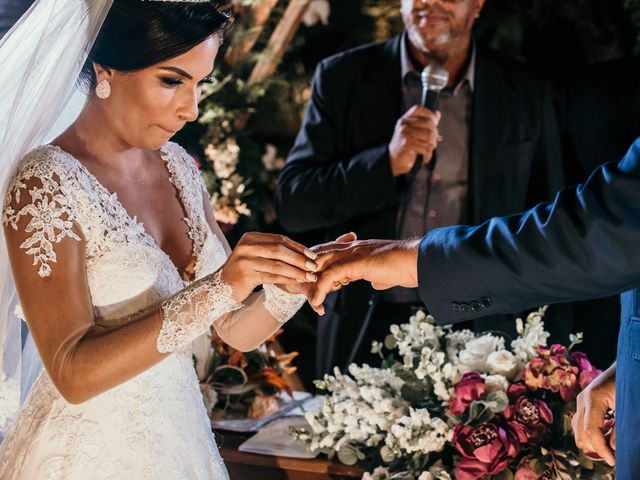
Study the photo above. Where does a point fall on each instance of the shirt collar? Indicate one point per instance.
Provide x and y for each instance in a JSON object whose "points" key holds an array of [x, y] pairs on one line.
{"points": [[407, 67]]}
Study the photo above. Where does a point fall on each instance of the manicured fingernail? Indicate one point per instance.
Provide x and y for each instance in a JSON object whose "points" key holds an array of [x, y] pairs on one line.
{"points": [[311, 277], [312, 266], [310, 254]]}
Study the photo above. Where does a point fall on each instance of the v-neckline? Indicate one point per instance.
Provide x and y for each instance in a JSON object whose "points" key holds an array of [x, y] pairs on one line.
{"points": [[140, 228]]}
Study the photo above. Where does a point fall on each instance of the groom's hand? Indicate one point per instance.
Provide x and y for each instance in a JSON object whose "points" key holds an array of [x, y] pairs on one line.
{"points": [[308, 289], [595, 435], [384, 263]]}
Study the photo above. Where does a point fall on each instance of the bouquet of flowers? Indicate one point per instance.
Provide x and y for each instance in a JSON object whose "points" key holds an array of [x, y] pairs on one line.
{"points": [[448, 404], [237, 384]]}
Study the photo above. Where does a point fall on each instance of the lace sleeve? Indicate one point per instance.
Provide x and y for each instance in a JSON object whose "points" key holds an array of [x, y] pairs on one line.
{"points": [[41, 206], [191, 312], [282, 305]]}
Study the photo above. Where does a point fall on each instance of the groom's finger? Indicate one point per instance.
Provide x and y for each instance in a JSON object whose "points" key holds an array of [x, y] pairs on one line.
{"points": [[328, 277]]}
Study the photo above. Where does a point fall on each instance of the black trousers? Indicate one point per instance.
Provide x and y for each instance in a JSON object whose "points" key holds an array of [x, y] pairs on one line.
{"points": [[383, 315]]}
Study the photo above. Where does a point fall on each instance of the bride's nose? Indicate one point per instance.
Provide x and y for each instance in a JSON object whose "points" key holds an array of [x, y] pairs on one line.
{"points": [[188, 111]]}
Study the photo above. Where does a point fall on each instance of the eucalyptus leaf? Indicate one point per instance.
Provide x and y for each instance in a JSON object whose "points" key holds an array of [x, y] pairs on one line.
{"points": [[348, 455], [390, 342], [387, 454], [504, 475], [497, 401]]}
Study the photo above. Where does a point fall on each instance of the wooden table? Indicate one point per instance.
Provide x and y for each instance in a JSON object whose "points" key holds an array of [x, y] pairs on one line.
{"points": [[249, 466]]}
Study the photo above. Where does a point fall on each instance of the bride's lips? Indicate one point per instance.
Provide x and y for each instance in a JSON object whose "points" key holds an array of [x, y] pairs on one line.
{"points": [[171, 132]]}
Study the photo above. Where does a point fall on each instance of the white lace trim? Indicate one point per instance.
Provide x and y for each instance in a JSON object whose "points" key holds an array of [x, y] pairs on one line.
{"points": [[50, 218], [282, 305], [191, 312]]}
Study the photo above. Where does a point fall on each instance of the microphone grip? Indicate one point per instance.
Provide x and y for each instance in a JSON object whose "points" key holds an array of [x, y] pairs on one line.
{"points": [[430, 101]]}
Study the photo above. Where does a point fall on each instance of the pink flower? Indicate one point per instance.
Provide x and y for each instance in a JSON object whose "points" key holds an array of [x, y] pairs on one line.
{"points": [[486, 449], [530, 419], [470, 388], [587, 371], [551, 370]]}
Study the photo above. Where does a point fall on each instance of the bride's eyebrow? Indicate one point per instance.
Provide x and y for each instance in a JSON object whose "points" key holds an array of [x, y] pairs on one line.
{"points": [[179, 71], [182, 73]]}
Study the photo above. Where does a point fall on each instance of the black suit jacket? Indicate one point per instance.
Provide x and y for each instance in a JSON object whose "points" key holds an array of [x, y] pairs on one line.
{"points": [[586, 244], [338, 176]]}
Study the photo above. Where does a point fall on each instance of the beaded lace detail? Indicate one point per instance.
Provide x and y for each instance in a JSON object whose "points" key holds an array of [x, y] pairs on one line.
{"points": [[193, 310], [282, 305]]}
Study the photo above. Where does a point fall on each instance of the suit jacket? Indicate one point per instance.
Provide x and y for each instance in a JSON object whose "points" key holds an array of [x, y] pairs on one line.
{"points": [[586, 244], [338, 176]]}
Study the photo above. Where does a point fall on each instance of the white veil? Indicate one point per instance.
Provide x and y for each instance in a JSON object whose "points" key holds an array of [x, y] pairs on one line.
{"points": [[41, 57]]}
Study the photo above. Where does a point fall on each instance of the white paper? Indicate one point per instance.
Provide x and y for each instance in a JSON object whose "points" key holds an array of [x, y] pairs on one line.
{"points": [[275, 439]]}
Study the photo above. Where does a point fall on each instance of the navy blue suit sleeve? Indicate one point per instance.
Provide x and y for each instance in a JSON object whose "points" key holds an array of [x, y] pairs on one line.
{"points": [[586, 244], [321, 186]]}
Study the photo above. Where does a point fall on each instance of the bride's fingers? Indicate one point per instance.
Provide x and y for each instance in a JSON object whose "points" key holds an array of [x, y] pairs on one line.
{"points": [[278, 252], [282, 269], [275, 239]]}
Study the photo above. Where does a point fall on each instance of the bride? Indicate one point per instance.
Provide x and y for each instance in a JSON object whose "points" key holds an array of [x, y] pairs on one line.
{"points": [[114, 250]]}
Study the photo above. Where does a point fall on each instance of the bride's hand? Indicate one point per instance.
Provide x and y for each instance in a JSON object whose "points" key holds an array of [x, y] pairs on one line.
{"points": [[265, 258], [308, 289]]}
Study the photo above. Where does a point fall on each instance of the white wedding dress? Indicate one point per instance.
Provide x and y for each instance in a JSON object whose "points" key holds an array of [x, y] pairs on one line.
{"points": [[153, 426]]}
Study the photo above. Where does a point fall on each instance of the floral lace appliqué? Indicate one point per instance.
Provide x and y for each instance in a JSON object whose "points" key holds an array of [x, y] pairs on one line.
{"points": [[51, 218]]}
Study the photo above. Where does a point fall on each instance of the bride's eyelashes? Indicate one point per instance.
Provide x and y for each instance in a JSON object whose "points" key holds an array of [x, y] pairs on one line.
{"points": [[175, 82]]}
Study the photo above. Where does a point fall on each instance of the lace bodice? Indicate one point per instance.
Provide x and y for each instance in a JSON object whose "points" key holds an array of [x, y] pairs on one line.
{"points": [[153, 426]]}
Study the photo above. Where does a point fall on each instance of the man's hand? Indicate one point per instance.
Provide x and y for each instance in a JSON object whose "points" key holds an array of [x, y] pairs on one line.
{"points": [[590, 424], [309, 289], [416, 133], [384, 263]]}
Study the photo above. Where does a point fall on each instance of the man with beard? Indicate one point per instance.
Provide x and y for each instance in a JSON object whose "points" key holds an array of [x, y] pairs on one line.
{"points": [[351, 168]]}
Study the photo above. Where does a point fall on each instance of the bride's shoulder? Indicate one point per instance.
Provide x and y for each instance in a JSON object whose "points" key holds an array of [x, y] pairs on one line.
{"points": [[44, 162]]}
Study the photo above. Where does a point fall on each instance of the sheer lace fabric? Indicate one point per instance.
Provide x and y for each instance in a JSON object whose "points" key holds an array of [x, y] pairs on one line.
{"points": [[153, 426], [282, 305], [192, 311]]}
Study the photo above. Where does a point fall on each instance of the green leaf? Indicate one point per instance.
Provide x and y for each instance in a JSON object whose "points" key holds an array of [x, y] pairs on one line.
{"points": [[414, 393], [497, 401], [538, 466], [348, 455], [478, 413], [390, 342], [387, 455], [504, 475]]}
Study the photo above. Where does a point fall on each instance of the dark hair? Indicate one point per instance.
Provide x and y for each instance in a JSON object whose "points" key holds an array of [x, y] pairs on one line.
{"points": [[139, 33]]}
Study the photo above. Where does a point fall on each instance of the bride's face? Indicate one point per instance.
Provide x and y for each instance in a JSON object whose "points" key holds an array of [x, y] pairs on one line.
{"points": [[147, 107]]}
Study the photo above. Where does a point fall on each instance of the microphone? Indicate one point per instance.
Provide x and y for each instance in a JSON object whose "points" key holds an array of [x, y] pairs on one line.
{"points": [[434, 79]]}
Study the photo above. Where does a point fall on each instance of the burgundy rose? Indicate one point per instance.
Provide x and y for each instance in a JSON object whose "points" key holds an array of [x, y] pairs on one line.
{"points": [[587, 371], [530, 419], [486, 449], [470, 388]]}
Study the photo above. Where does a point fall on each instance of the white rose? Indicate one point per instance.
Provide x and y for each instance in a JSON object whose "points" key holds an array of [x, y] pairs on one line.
{"points": [[473, 358], [503, 363]]}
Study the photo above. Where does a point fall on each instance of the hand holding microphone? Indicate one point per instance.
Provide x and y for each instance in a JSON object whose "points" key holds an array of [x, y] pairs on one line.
{"points": [[416, 136]]}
